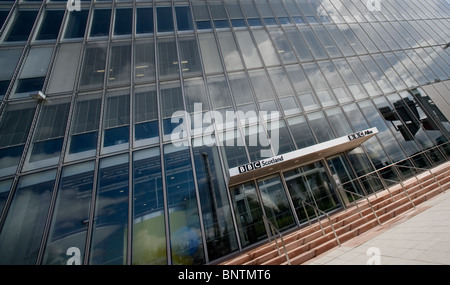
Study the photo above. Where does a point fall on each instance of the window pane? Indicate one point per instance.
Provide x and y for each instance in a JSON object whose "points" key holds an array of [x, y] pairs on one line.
{"points": [[219, 92], [93, 71], [8, 60], [184, 19], [50, 25], [335, 81], [14, 129], [21, 235], [109, 237], [168, 58], [339, 122], [210, 54], [144, 61], [144, 21], [171, 102], [195, 93], [283, 48], [320, 127], [149, 236], [100, 23], [165, 19], [21, 26], [185, 236], [266, 48], [314, 45], [84, 130], [49, 134], [76, 24], [146, 116], [65, 68], [117, 120], [71, 214], [37, 62], [189, 57], [119, 64], [230, 52], [261, 85], [5, 186], [248, 49], [241, 88], [123, 21], [319, 84]]}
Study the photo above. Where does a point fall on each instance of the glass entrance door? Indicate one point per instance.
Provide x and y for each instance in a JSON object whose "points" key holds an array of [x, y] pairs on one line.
{"points": [[310, 184]]}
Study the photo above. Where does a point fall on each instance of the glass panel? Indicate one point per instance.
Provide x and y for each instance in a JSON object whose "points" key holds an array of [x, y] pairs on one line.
{"points": [[8, 60], [109, 236], [339, 122], [220, 234], [21, 235], [230, 52], [314, 46], [185, 236], [119, 64], [248, 49], [149, 236], [184, 18], [65, 68], [4, 192], [164, 19], [49, 134], [195, 93], [210, 54], [171, 102], [144, 61], [146, 129], [280, 138], [377, 74], [319, 84], [14, 129], [84, 130], [93, 71], [327, 42], [50, 25], [364, 76], [76, 24], [116, 120], [201, 15], [241, 88], [352, 39], [100, 23], [337, 85], [299, 45], [189, 56], [123, 21], [280, 82], [276, 205], [261, 85], [266, 48], [320, 127], [233, 148], [71, 215], [21, 26], [248, 212], [219, 92], [301, 132], [144, 20], [168, 58], [282, 46]]}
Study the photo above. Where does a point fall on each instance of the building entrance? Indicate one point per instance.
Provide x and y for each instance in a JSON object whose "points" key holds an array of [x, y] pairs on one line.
{"points": [[280, 198]]}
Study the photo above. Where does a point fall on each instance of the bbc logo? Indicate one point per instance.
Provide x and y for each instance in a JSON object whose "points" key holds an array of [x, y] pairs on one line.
{"points": [[249, 167]]}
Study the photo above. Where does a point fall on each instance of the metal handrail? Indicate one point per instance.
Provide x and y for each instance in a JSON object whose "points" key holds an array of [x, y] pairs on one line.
{"points": [[275, 231], [429, 170], [318, 218], [356, 204], [401, 184]]}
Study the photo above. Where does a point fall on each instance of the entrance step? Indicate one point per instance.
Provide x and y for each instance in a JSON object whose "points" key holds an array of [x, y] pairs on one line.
{"points": [[308, 242]]}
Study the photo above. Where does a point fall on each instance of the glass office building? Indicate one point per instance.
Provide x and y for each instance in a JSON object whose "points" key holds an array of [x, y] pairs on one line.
{"points": [[92, 93]]}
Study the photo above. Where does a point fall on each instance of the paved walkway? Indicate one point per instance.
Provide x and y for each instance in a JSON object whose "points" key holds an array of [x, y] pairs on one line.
{"points": [[420, 236]]}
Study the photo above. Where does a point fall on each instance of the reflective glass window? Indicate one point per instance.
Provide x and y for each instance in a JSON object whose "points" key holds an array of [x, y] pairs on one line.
{"points": [[282, 46], [233, 148], [230, 52], [100, 23], [49, 134], [319, 84], [373, 35], [248, 49], [333, 78], [266, 48], [164, 19], [210, 53], [320, 127], [144, 20], [144, 61], [377, 74], [219, 92], [340, 41], [280, 82], [119, 64], [385, 36], [189, 56], [14, 128], [76, 24], [327, 42], [85, 124], [301, 132], [171, 102], [201, 15], [109, 236], [220, 238], [22, 231], [146, 129], [185, 236], [168, 58], [388, 71], [261, 85], [149, 236], [195, 93], [298, 44], [93, 70], [219, 15], [400, 69], [338, 122], [70, 221], [184, 18], [21, 26], [314, 45], [65, 68], [241, 89], [8, 60], [50, 25], [350, 79], [116, 120], [364, 76], [352, 39], [123, 21], [5, 186]]}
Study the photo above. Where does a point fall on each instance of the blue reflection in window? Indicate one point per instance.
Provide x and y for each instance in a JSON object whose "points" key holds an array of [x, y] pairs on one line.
{"points": [[100, 23], [298, 20], [184, 19], [22, 25], [30, 84], [83, 142], [238, 23], [165, 19], [254, 22], [146, 130], [76, 24], [204, 25], [221, 24], [144, 21], [284, 20], [270, 21], [116, 136]]}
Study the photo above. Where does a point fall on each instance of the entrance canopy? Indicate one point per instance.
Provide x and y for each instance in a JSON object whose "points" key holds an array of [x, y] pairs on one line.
{"points": [[299, 157]]}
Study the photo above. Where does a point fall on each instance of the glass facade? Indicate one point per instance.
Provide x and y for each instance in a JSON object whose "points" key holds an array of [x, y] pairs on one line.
{"points": [[93, 173]]}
